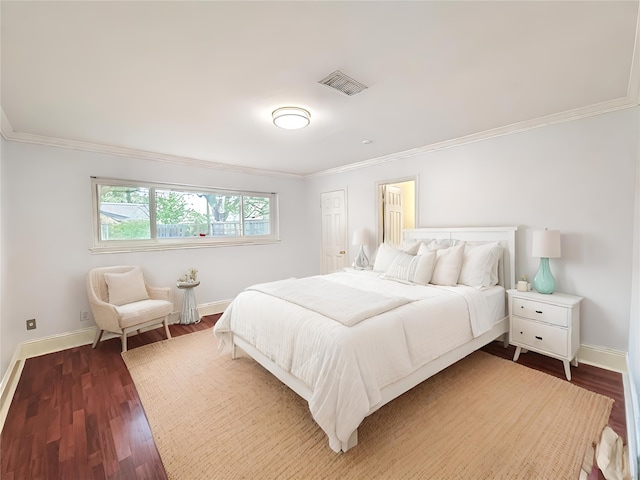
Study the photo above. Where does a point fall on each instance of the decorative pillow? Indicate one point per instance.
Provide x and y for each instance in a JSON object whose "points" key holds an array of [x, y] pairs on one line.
{"points": [[437, 244], [126, 287], [412, 268], [448, 264], [384, 257], [480, 265], [411, 248]]}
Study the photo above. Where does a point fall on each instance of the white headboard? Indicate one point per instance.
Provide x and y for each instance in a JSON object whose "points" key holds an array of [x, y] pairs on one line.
{"points": [[506, 236]]}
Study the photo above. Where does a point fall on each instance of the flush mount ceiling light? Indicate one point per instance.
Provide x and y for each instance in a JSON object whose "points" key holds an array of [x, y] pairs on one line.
{"points": [[291, 118]]}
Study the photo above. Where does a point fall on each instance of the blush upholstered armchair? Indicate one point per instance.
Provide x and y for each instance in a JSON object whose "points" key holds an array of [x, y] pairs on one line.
{"points": [[122, 302]]}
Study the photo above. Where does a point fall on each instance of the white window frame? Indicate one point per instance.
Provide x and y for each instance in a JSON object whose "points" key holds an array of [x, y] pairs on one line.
{"points": [[119, 246]]}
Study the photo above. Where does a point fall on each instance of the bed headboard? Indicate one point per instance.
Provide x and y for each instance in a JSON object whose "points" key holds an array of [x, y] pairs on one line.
{"points": [[506, 236]]}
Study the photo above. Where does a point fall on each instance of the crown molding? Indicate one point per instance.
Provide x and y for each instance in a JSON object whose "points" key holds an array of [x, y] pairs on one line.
{"points": [[633, 88], [5, 125], [631, 100], [9, 134], [570, 115]]}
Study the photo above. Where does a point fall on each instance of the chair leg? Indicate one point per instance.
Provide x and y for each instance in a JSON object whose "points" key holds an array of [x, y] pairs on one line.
{"points": [[97, 338], [166, 327], [124, 341]]}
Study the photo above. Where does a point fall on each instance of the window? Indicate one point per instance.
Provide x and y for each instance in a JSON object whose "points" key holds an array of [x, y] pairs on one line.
{"points": [[145, 216]]}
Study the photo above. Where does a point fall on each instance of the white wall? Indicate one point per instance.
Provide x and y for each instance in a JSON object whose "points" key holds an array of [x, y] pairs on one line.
{"points": [[634, 319], [47, 232], [2, 264], [578, 177]]}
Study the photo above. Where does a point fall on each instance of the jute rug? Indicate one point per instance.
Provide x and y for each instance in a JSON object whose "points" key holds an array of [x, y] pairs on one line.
{"points": [[482, 418]]}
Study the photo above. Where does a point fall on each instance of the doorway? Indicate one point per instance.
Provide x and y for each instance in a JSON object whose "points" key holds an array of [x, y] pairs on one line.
{"points": [[396, 209]]}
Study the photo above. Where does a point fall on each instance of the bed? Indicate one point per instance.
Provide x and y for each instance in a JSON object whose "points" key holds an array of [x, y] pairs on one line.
{"points": [[352, 341]]}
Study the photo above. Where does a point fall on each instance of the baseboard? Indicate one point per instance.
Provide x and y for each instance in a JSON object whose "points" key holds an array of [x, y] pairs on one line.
{"points": [[603, 357], [9, 384], [56, 343], [63, 341]]}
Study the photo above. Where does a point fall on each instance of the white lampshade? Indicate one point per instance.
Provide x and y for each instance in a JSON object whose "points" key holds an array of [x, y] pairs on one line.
{"points": [[360, 237], [291, 118], [546, 244]]}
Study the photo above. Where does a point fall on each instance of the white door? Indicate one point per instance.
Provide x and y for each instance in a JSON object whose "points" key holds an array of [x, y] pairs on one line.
{"points": [[393, 215], [334, 231]]}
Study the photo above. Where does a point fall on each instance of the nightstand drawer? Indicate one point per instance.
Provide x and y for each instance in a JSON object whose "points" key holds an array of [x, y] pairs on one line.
{"points": [[542, 312], [538, 336]]}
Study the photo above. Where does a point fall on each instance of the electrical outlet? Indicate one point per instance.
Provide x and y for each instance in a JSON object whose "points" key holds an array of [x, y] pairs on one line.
{"points": [[31, 324], [84, 316]]}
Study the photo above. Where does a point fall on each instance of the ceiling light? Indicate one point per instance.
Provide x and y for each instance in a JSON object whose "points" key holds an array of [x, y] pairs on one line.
{"points": [[291, 118]]}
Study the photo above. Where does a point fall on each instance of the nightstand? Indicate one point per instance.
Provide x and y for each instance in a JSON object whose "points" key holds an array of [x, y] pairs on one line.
{"points": [[547, 324]]}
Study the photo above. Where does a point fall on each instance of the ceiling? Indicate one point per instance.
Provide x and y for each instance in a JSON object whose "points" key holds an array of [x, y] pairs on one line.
{"points": [[196, 82]]}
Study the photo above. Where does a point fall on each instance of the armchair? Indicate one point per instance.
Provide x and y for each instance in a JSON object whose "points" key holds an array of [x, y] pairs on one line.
{"points": [[122, 302]]}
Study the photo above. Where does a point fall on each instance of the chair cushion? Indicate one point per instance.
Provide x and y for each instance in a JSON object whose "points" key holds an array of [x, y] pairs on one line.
{"points": [[126, 287], [139, 312]]}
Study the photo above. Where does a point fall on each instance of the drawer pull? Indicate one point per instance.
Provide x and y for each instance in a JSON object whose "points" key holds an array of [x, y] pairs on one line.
{"points": [[539, 338], [538, 311]]}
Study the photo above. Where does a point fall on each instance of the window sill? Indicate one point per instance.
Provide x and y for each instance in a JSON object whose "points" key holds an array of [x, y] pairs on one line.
{"points": [[152, 247]]}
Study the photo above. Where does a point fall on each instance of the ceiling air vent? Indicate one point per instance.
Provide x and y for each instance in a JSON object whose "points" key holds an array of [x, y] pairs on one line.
{"points": [[342, 83]]}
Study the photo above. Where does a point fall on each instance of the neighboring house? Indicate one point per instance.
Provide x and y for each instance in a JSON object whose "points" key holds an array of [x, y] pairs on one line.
{"points": [[119, 212]]}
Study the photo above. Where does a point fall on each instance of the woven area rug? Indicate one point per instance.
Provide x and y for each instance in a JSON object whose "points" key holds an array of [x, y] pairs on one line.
{"points": [[482, 418]]}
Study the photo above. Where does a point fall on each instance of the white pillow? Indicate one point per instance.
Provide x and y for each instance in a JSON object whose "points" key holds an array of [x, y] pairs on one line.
{"points": [[480, 265], [448, 264], [384, 257], [411, 248], [412, 268], [442, 243], [126, 287]]}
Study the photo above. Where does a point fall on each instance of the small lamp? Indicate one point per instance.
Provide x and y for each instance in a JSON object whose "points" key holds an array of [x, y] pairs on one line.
{"points": [[546, 245], [360, 237]]}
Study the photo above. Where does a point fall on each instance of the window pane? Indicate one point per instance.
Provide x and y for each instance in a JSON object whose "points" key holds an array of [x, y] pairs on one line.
{"points": [[124, 213], [181, 214], [256, 216], [225, 215]]}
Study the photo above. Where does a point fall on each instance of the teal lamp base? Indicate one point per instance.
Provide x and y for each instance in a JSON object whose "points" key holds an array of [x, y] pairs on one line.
{"points": [[544, 281]]}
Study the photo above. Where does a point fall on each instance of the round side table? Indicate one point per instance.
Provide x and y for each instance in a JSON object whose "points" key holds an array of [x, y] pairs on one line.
{"points": [[189, 312]]}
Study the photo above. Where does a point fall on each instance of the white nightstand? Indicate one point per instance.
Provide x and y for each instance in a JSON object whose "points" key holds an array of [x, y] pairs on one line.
{"points": [[547, 324]]}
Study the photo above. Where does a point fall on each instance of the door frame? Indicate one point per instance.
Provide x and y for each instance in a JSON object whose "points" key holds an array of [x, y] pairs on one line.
{"points": [[378, 199]]}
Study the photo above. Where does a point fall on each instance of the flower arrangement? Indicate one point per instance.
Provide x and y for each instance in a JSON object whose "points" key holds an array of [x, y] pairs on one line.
{"points": [[193, 274], [190, 277]]}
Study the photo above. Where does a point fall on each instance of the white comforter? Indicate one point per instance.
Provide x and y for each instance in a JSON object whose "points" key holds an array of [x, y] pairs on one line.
{"points": [[346, 367], [339, 302]]}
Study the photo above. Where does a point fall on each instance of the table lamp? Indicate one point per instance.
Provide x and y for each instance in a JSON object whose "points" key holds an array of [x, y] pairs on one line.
{"points": [[360, 238], [546, 245]]}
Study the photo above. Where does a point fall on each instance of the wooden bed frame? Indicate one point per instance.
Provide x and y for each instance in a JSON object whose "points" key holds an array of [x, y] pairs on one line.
{"points": [[506, 275]]}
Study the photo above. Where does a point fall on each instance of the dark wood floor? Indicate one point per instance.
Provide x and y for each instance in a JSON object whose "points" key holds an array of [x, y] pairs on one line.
{"points": [[76, 413]]}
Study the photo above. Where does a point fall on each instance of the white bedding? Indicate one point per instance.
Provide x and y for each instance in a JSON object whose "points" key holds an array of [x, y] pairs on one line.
{"points": [[348, 305], [346, 367]]}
